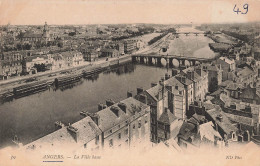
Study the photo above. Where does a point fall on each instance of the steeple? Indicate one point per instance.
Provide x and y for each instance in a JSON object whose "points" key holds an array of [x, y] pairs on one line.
{"points": [[45, 28]]}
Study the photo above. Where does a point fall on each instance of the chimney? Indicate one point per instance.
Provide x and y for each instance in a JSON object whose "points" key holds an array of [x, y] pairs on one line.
{"points": [[220, 118], [162, 79], [190, 75], [115, 110], [100, 106], [122, 106], [174, 72], [129, 94], [198, 70], [109, 102], [140, 90], [74, 132], [95, 117], [167, 76], [153, 84], [143, 98]]}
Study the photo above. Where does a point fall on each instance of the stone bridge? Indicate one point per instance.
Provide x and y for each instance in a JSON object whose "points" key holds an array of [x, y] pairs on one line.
{"points": [[148, 58], [195, 33]]}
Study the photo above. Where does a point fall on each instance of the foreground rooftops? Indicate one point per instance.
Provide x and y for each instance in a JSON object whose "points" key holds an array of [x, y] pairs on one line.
{"points": [[86, 129], [119, 112]]}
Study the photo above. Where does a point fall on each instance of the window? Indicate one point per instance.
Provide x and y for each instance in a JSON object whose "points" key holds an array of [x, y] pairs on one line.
{"points": [[110, 131], [119, 135], [145, 119], [111, 142], [85, 146], [139, 124], [126, 131], [133, 126]]}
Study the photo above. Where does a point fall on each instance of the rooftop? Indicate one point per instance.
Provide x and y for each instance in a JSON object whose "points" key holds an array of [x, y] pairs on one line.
{"points": [[225, 124], [167, 117]]}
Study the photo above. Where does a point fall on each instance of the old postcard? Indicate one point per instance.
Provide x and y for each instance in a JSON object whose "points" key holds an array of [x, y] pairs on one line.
{"points": [[129, 82]]}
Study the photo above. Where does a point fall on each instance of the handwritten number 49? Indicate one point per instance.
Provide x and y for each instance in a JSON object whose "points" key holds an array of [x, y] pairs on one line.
{"points": [[245, 6]]}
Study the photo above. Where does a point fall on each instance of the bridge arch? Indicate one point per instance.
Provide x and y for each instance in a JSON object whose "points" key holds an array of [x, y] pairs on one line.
{"points": [[175, 62], [187, 62]]}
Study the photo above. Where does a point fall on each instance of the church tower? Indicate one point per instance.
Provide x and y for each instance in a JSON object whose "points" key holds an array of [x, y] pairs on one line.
{"points": [[46, 34]]}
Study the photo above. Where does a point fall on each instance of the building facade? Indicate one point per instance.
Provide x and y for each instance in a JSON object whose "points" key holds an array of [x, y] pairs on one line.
{"points": [[10, 64]]}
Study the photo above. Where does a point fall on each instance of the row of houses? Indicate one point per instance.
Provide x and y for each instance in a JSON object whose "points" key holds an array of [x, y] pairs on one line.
{"points": [[116, 125], [15, 64]]}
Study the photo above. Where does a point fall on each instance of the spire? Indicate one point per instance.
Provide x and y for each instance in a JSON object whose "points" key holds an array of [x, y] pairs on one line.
{"points": [[45, 28]]}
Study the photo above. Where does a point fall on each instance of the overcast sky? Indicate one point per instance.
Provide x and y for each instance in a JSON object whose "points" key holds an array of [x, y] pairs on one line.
{"points": [[122, 11]]}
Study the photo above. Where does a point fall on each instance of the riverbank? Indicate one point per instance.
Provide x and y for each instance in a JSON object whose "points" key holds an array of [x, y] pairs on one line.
{"points": [[8, 85]]}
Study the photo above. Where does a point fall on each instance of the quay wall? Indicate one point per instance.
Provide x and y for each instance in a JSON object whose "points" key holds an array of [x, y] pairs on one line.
{"points": [[74, 71]]}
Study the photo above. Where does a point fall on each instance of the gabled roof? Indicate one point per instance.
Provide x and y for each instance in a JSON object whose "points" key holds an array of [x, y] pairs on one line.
{"points": [[187, 130], [108, 119], [87, 131], [245, 72], [207, 130], [225, 124], [174, 82], [167, 117], [234, 86]]}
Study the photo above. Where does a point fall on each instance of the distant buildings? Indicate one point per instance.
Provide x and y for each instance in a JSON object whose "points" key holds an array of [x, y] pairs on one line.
{"points": [[109, 52], [32, 37], [54, 61], [10, 64], [72, 58], [130, 46]]}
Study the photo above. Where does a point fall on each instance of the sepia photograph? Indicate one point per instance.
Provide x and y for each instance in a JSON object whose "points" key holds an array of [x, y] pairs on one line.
{"points": [[129, 82]]}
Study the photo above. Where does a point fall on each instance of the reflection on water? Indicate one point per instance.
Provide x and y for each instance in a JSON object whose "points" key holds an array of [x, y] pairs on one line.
{"points": [[34, 116]]}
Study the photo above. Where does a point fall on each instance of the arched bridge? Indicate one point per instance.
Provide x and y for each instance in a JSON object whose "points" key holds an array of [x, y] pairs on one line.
{"points": [[195, 33], [148, 58]]}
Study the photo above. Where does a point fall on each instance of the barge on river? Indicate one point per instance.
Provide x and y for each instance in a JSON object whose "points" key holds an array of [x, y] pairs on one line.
{"points": [[28, 89], [67, 80]]}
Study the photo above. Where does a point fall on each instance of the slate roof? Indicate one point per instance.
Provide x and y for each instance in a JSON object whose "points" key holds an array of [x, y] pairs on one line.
{"points": [[226, 83], [225, 124], [187, 130], [174, 82], [167, 117], [245, 72], [240, 119], [234, 86], [207, 131], [108, 119], [87, 131]]}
